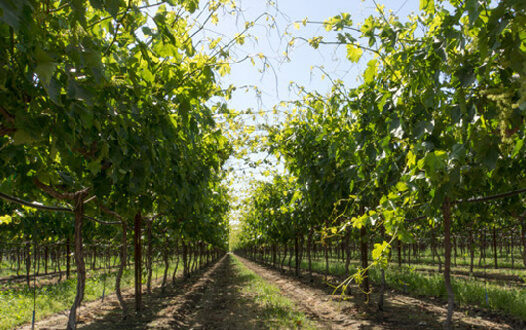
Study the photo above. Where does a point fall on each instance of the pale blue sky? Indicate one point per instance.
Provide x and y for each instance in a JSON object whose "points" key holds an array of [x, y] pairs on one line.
{"points": [[274, 83]]}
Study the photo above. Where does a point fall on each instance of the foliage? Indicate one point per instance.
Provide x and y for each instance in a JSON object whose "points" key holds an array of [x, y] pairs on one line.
{"points": [[439, 114], [111, 99]]}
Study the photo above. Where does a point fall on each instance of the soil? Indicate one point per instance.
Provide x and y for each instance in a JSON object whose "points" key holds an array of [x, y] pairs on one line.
{"points": [[400, 311], [208, 300], [214, 299]]}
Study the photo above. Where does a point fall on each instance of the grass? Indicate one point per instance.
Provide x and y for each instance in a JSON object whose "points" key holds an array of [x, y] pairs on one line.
{"points": [[427, 263], [504, 259], [336, 267], [16, 301], [278, 311], [9, 269], [467, 292]]}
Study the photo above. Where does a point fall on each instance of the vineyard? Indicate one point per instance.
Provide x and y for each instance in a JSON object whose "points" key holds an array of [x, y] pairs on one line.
{"points": [[396, 202]]}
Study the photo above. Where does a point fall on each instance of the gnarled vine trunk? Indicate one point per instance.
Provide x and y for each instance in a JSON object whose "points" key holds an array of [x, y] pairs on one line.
{"points": [[28, 260], [365, 263], [523, 239], [309, 257], [382, 279], [471, 252], [68, 258], [176, 261], [495, 248], [446, 210], [149, 257], [185, 260], [138, 261], [79, 259], [166, 266], [297, 256], [122, 264]]}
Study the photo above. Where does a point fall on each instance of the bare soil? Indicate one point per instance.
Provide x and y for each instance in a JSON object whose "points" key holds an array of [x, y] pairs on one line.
{"points": [[400, 311], [214, 299]]}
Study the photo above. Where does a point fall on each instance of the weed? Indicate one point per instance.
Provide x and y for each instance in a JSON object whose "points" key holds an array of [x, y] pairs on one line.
{"points": [[16, 300], [279, 312]]}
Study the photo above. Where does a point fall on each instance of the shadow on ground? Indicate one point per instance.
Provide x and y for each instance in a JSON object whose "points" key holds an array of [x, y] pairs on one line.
{"points": [[400, 311], [211, 299]]}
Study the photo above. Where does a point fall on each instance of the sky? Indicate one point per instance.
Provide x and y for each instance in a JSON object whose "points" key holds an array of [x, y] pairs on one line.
{"points": [[302, 65], [274, 83]]}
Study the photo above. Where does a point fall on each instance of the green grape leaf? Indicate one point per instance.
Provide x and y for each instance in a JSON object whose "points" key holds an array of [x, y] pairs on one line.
{"points": [[380, 250], [517, 148], [22, 136], [14, 12], [428, 6], [370, 72], [5, 219], [45, 66], [354, 53], [113, 7]]}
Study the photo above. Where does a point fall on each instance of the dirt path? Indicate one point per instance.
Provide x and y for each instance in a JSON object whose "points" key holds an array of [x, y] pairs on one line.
{"points": [[161, 310], [225, 304], [214, 299], [314, 302], [221, 305], [217, 298], [401, 312]]}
